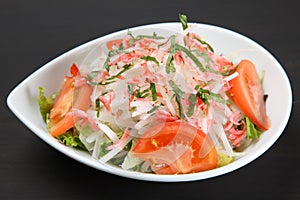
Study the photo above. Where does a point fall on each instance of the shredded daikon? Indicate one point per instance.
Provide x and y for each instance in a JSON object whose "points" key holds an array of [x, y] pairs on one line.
{"points": [[147, 80]]}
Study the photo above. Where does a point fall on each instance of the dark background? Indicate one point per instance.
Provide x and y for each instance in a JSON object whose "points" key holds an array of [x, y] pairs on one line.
{"points": [[34, 32]]}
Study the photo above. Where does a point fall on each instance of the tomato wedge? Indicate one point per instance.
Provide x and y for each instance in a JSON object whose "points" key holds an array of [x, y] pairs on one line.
{"points": [[114, 43], [248, 94], [176, 148], [61, 117]]}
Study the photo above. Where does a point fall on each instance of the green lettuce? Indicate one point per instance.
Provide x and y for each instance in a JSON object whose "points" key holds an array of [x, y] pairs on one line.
{"points": [[45, 103], [71, 139], [252, 130], [224, 159]]}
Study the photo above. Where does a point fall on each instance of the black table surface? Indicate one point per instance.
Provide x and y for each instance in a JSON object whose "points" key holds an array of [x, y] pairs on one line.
{"points": [[33, 32]]}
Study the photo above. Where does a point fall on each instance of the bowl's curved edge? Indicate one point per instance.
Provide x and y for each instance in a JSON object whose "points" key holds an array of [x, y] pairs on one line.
{"points": [[142, 176]]}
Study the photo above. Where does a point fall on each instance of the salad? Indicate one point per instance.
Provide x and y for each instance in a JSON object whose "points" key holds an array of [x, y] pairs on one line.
{"points": [[157, 104]]}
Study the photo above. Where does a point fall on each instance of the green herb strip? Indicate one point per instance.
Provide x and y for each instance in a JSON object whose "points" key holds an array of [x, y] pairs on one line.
{"points": [[179, 94], [153, 91], [150, 58], [184, 21], [125, 68], [191, 55], [112, 53], [142, 94], [154, 36], [203, 94], [100, 83], [176, 89], [97, 102], [140, 37], [109, 80], [153, 109], [217, 98], [192, 101], [205, 43], [130, 89], [205, 56], [138, 93], [180, 107], [170, 64], [207, 95]]}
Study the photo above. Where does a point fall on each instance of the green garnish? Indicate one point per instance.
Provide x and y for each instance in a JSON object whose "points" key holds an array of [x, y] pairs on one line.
{"points": [[205, 43], [100, 83], [176, 89], [152, 109], [112, 53], [206, 58], [92, 75], [130, 89], [203, 94], [109, 80], [180, 107], [183, 20], [150, 58], [154, 36], [170, 65], [179, 94], [71, 138], [192, 101], [252, 130], [224, 159], [153, 91], [45, 103], [140, 37], [137, 92], [191, 55], [97, 102], [125, 68], [207, 95]]}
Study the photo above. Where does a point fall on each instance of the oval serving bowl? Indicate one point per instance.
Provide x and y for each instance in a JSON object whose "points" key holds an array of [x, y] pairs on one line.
{"points": [[226, 42]]}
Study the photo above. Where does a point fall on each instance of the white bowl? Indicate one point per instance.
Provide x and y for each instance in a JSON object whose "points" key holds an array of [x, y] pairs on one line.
{"points": [[50, 76]]}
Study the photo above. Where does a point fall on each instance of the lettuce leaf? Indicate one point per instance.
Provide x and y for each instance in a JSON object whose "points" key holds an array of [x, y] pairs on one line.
{"points": [[71, 139], [252, 130], [224, 159], [45, 103]]}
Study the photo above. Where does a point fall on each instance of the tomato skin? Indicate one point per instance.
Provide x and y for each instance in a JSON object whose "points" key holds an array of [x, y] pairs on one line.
{"points": [[69, 96], [176, 148], [82, 97], [61, 126], [74, 70], [63, 100], [114, 43], [248, 94]]}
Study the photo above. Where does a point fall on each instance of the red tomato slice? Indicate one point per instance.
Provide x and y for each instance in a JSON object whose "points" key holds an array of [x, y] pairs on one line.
{"points": [[63, 100], [248, 94], [61, 119], [176, 148], [112, 43]]}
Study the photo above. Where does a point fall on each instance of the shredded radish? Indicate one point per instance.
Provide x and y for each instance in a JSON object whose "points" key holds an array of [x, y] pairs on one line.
{"points": [[232, 76], [115, 151], [121, 141], [96, 149], [150, 80], [108, 132]]}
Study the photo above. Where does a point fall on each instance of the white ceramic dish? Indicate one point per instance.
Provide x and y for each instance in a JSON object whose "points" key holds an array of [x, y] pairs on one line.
{"points": [[50, 76]]}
